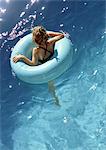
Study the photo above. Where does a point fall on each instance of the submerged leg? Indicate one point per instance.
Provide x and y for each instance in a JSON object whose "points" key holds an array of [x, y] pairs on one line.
{"points": [[52, 90]]}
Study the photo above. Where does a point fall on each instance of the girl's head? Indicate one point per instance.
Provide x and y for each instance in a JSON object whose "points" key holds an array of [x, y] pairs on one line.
{"points": [[39, 35]]}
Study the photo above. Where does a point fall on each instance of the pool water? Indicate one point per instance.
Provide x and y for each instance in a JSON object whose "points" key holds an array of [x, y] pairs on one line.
{"points": [[29, 118]]}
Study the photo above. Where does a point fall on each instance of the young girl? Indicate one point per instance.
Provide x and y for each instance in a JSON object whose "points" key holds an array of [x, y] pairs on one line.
{"points": [[45, 46], [45, 41]]}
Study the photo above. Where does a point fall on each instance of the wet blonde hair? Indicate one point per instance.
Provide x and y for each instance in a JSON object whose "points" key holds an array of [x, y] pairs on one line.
{"points": [[39, 34]]}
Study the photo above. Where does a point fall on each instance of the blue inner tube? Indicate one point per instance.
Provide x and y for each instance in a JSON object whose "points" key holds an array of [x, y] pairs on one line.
{"points": [[57, 65]]}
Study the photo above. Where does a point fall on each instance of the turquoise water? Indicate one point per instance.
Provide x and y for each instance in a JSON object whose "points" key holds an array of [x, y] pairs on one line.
{"points": [[29, 118]]}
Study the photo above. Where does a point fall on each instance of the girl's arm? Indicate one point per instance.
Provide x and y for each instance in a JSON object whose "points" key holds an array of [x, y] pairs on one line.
{"points": [[32, 62], [56, 38], [52, 34]]}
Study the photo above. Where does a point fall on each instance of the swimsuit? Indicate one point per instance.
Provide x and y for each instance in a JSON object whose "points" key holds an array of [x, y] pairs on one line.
{"points": [[48, 58]]}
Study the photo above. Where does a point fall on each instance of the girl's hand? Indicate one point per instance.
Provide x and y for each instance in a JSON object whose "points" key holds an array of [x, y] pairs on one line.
{"points": [[17, 58], [66, 34]]}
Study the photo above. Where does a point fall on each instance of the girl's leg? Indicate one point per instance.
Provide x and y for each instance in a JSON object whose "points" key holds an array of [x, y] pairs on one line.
{"points": [[52, 90]]}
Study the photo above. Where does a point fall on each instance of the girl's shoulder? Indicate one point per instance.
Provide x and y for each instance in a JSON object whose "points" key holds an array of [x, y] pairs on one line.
{"points": [[36, 49], [50, 42]]}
